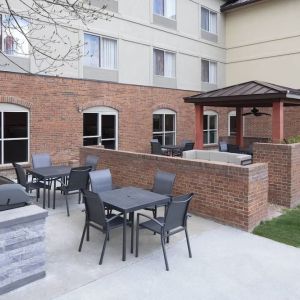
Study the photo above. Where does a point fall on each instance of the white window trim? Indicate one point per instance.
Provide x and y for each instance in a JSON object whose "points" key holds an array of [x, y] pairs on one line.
{"points": [[212, 113], [7, 107], [210, 11], [165, 111], [210, 61], [154, 13], [100, 36], [165, 51], [104, 110]]}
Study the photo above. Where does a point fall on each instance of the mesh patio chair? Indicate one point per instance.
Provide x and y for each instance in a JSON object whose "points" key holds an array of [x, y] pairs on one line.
{"points": [[163, 184], [92, 160], [186, 145], [29, 186], [5, 180], [96, 218], [157, 149], [223, 147], [78, 180], [175, 221], [41, 160]]}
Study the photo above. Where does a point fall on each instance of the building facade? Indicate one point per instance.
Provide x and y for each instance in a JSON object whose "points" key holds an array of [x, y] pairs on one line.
{"points": [[134, 71]]}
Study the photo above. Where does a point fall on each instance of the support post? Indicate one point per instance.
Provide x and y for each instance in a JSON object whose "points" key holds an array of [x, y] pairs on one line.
{"points": [[277, 122], [239, 127], [199, 126]]}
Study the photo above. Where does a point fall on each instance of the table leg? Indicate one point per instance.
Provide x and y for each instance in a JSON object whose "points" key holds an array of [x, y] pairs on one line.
{"points": [[132, 229], [44, 194], [124, 237], [49, 194], [54, 194]]}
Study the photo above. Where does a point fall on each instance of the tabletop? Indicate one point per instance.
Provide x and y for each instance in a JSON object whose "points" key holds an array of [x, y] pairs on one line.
{"points": [[129, 199], [48, 172], [171, 146]]}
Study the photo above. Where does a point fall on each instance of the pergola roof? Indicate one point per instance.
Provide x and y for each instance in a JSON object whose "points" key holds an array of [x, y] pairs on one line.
{"points": [[248, 94], [231, 4]]}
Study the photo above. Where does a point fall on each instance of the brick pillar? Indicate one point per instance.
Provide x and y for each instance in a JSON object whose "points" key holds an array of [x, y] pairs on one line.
{"points": [[199, 126], [277, 122], [239, 139]]}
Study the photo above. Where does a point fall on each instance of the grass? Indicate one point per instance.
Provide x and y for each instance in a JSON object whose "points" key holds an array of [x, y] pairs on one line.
{"points": [[284, 229]]}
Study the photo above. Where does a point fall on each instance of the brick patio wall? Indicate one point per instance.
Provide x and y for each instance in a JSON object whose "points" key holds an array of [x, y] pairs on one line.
{"points": [[284, 171], [229, 194]]}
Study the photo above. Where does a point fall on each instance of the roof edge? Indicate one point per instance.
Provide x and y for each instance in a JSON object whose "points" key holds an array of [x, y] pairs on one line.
{"points": [[229, 6]]}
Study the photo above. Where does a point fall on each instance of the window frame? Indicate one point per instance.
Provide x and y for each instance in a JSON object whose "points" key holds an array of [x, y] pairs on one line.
{"points": [[210, 62], [175, 19], [210, 11], [164, 112], [103, 110], [13, 108], [169, 52], [101, 37], [210, 113]]}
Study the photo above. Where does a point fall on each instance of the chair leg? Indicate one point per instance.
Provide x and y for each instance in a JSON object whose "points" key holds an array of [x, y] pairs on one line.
{"points": [[79, 197], [67, 203], [137, 239], [88, 233], [162, 239], [168, 238], [188, 242], [103, 249], [154, 216], [82, 237]]}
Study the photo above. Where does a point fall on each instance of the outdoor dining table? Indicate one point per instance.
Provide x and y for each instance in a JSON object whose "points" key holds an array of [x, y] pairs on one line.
{"points": [[128, 200], [172, 148], [49, 173]]}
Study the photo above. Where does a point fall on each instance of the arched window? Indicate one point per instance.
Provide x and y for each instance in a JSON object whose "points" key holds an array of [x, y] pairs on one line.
{"points": [[210, 128], [14, 133], [232, 123], [164, 126], [100, 127]]}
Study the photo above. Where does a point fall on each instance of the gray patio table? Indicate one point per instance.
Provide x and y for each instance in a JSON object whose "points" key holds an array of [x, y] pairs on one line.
{"points": [[128, 200], [172, 148], [45, 173]]}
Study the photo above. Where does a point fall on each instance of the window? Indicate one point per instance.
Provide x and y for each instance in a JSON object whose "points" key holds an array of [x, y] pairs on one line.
{"points": [[12, 41], [208, 20], [100, 127], [164, 126], [232, 123], [14, 133], [164, 63], [209, 71], [165, 8], [210, 128], [100, 52]]}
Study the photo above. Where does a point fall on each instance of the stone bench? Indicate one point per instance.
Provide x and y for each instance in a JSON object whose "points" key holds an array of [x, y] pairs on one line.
{"points": [[226, 157]]}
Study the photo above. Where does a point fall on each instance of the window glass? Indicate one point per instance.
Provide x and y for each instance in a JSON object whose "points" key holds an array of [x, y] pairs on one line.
{"points": [[15, 125], [205, 122], [204, 19], [169, 64], [15, 151], [212, 72], [169, 122], [90, 141], [90, 124], [212, 122], [14, 41], [213, 23], [158, 7], [210, 128], [109, 144], [91, 50], [108, 126], [170, 9], [170, 139], [109, 53], [209, 71], [158, 62], [232, 125], [158, 123], [164, 127], [205, 71]]}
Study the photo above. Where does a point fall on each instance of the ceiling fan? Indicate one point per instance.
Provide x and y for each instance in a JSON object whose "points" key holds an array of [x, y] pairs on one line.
{"points": [[255, 112]]}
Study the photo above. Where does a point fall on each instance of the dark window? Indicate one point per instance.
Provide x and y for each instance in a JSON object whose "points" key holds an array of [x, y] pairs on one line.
{"points": [[232, 125], [90, 124], [164, 128]]}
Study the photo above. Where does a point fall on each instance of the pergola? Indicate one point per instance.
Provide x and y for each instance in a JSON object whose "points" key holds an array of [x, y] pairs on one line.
{"points": [[248, 94]]}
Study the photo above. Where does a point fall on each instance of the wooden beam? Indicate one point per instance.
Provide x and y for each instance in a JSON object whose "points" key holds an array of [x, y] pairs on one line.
{"points": [[199, 109], [239, 127], [277, 122]]}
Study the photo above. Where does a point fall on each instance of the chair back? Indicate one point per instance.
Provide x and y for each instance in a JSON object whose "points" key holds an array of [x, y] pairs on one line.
{"points": [[101, 181], [188, 146], [156, 147], [94, 208], [223, 147], [177, 212], [92, 160], [21, 175], [163, 183], [41, 160], [79, 178]]}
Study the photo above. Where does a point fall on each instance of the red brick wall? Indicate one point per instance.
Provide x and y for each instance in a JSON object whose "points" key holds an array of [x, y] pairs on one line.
{"points": [[230, 194], [284, 171]]}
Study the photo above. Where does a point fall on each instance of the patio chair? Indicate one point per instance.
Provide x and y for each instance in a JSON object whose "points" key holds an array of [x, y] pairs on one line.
{"points": [[157, 149], [96, 218], [223, 146], [41, 160], [186, 145], [92, 160], [163, 184], [29, 186], [78, 180], [174, 221], [5, 180]]}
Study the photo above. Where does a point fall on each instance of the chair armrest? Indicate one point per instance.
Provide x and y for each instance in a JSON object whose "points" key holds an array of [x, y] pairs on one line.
{"points": [[152, 219]]}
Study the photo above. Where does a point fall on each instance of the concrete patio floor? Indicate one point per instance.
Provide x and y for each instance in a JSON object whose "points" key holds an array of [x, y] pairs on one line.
{"points": [[227, 264]]}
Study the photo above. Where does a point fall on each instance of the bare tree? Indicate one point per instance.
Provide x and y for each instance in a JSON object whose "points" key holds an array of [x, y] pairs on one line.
{"points": [[45, 30]]}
